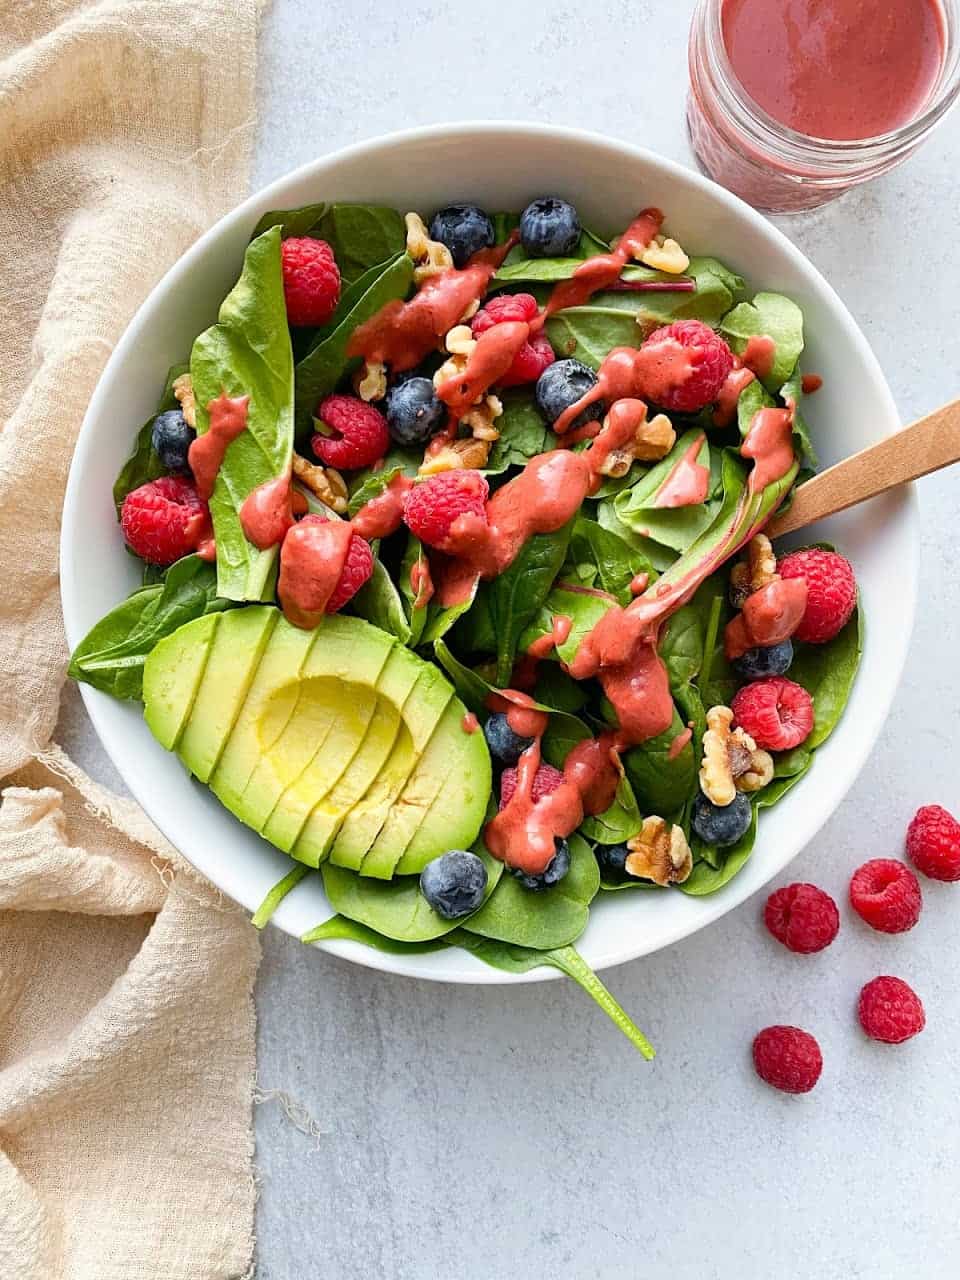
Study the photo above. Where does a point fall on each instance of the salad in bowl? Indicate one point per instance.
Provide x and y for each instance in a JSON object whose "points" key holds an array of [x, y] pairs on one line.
{"points": [[455, 582]]}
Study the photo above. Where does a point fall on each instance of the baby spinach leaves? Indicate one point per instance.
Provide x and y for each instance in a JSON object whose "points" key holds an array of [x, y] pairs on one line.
{"points": [[773, 316], [523, 432], [601, 558], [675, 527], [713, 868], [111, 656], [265, 912], [792, 393], [661, 784], [379, 601], [827, 672], [360, 235], [247, 353], [144, 464], [584, 607], [368, 484], [618, 823], [414, 563]]}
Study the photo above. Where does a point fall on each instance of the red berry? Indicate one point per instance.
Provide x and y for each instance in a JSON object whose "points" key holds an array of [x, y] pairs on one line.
{"points": [[711, 361], [777, 713], [831, 592], [890, 1011], [311, 280], [163, 519], [357, 567], [933, 843], [787, 1058], [546, 780], [535, 355], [360, 435], [886, 894], [802, 917], [431, 507]]}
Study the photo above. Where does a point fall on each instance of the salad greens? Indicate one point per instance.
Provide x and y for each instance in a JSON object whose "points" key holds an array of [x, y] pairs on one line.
{"points": [[382, 757]]}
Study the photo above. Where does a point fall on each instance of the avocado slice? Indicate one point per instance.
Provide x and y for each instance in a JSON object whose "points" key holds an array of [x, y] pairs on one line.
{"points": [[422, 714], [237, 648], [171, 681]]}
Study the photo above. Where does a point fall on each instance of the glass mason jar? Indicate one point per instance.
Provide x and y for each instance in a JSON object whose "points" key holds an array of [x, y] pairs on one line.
{"points": [[772, 166]]}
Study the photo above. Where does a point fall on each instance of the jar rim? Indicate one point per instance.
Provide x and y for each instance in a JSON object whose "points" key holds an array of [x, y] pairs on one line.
{"points": [[786, 144]]}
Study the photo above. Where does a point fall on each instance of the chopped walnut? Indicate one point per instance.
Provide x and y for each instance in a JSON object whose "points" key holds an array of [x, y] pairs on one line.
{"points": [[659, 852], [183, 390], [481, 417], [731, 760], [451, 368], [757, 571], [467, 453], [460, 340], [324, 483], [653, 440], [371, 380], [431, 257], [663, 254]]}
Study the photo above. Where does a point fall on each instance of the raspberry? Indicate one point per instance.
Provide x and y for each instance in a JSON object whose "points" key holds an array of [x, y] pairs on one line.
{"points": [[311, 280], [535, 355], [802, 917], [547, 780], [777, 713], [886, 894], [933, 843], [357, 568], [787, 1058], [431, 507], [831, 592], [712, 360], [360, 433], [163, 519], [890, 1011]]}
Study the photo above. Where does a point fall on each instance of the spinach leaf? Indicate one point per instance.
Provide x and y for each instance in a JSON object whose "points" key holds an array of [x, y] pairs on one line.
{"points": [[248, 353], [661, 785], [523, 432], [792, 392], [610, 486], [516, 594], [379, 601], [751, 400], [618, 823], [473, 632], [440, 618], [827, 672], [368, 484], [705, 879], [144, 463], [543, 920], [515, 959], [555, 688], [616, 562], [675, 527], [472, 689], [264, 913], [318, 373], [360, 235], [779, 787], [681, 645], [341, 927], [659, 556], [773, 316], [518, 268], [584, 608], [395, 908], [414, 557], [111, 656]]}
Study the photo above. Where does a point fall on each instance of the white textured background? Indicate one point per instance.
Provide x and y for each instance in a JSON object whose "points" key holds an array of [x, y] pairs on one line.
{"points": [[490, 1133]]}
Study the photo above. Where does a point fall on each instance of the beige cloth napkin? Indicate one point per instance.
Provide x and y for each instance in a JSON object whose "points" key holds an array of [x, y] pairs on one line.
{"points": [[126, 1015]]}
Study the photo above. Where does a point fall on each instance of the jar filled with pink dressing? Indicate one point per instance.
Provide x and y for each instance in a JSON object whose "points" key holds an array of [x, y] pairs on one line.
{"points": [[794, 101]]}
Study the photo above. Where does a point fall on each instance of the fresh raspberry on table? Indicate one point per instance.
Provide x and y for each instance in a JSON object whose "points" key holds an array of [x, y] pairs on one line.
{"points": [[546, 780], [163, 519], [711, 361], [777, 713], [311, 280], [357, 567], [535, 355], [358, 433], [787, 1058], [933, 843], [831, 592], [802, 917], [886, 894], [432, 506], [890, 1011]]}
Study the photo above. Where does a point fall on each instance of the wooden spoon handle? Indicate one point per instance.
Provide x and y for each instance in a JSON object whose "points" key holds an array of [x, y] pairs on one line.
{"points": [[926, 446]]}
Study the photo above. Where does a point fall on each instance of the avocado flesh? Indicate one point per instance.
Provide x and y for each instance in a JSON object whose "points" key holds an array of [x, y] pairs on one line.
{"points": [[394, 687], [314, 726], [171, 682], [238, 645]]}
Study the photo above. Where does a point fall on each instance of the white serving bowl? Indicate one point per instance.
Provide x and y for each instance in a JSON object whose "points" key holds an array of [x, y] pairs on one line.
{"points": [[500, 166]]}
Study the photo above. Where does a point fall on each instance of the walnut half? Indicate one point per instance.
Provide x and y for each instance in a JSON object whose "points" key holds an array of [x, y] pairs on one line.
{"points": [[756, 572], [732, 761], [659, 852], [183, 389], [325, 483]]}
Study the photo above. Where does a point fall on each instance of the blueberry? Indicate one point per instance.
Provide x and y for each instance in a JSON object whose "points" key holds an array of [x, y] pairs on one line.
{"points": [[549, 228], [505, 745], [757, 664], [613, 860], [454, 883], [560, 385], [555, 870], [172, 438], [414, 412], [464, 229], [721, 825]]}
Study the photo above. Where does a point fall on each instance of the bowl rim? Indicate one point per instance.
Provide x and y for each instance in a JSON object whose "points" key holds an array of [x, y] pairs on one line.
{"points": [[418, 965]]}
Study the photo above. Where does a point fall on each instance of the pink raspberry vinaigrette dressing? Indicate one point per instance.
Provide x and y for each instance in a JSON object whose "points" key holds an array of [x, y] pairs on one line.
{"points": [[793, 101]]}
